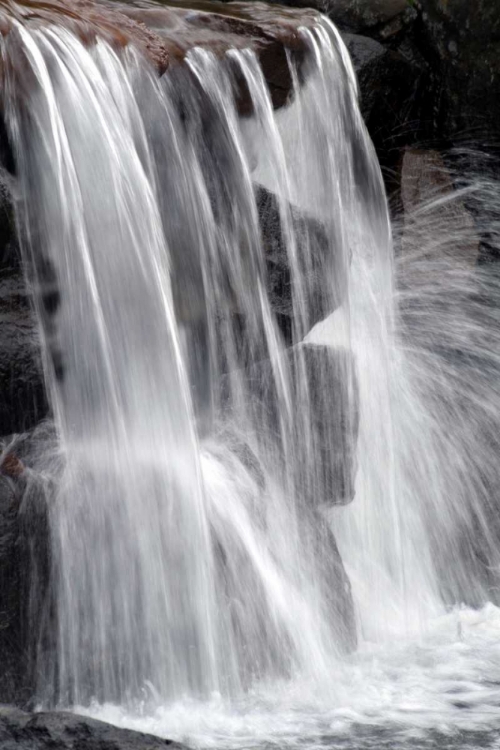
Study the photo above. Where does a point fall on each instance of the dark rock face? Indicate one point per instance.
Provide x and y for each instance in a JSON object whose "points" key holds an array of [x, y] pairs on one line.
{"points": [[463, 41], [313, 240], [165, 34], [391, 85], [64, 731], [373, 16], [25, 606], [22, 393]]}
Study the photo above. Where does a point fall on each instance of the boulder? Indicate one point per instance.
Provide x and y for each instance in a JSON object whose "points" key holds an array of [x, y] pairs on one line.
{"points": [[462, 43], [25, 605], [164, 35], [318, 261], [391, 92], [22, 392], [383, 17], [358, 16], [64, 731], [438, 225]]}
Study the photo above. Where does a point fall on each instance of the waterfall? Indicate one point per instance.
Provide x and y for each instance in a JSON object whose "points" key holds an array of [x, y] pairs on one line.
{"points": [[249, 391], [178, 255]]}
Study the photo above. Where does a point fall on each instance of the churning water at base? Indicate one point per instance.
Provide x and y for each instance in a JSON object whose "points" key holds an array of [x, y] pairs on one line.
{"points": [[442, 690], [228, 358]]}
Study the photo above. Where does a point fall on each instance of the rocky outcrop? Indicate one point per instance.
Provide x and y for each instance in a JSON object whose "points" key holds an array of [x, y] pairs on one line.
{"points": [[391, 85], [375, 17], [361, 16], [165, 34], [437, 223], [317, 261], [22, 394], [64, 731], [462, 41], [323, 380], [25, 605]]}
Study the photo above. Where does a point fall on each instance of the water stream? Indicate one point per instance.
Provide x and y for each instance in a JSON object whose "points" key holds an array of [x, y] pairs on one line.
{"points": [[243, 377]]}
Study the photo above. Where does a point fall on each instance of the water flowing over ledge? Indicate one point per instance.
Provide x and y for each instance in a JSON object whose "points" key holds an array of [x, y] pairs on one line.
{"points": [[229, 363]]}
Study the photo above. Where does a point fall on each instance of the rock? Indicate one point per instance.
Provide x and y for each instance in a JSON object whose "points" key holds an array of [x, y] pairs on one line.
{"points": [[437, 223], [337, 587], [357, 16], [390, 94], [323, 381], [362, 16], [25, 605], [65, 731], [462, 41], [315, 243], [22, 392], [165, 34]]}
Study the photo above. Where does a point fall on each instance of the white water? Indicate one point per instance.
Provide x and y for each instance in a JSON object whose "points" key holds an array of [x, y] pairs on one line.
{"points": [[196, 597], [442, 690]]}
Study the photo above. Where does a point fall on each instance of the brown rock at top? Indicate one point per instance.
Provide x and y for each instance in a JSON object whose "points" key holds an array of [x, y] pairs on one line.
{"points": [[165, 34]]}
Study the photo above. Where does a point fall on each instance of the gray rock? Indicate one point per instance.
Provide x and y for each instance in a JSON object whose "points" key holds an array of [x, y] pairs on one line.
{"points": [[358, 16], [22, 393], [26, 617], [362, 16], [65, 731], [324, 384]]}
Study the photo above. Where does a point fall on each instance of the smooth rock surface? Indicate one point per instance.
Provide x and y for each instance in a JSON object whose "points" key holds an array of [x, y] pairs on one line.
{"points": [[65, 731]]}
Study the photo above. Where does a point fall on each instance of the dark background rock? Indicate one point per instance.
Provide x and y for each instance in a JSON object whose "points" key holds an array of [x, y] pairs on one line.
{"points": [[462, 42], [26, 614], [23, 401], [392, 86], [65, 731]]}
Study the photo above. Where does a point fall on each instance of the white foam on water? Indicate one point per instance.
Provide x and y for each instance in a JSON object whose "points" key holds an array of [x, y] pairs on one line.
{"points": [[446, 682]]}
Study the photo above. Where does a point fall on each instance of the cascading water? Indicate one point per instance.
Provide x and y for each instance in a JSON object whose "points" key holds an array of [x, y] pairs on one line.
{"points": [[190, 561], [225, 352]]}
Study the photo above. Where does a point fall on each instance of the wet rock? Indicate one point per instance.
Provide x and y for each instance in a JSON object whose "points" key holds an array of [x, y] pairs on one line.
{"points": [[435, 216], [357, 16], [22, 393], [324, 421], [318, 261], [337, 587], [65, 731], [391, 87], [462, 41], [25, 605], [165, 34], [369, 16]]}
